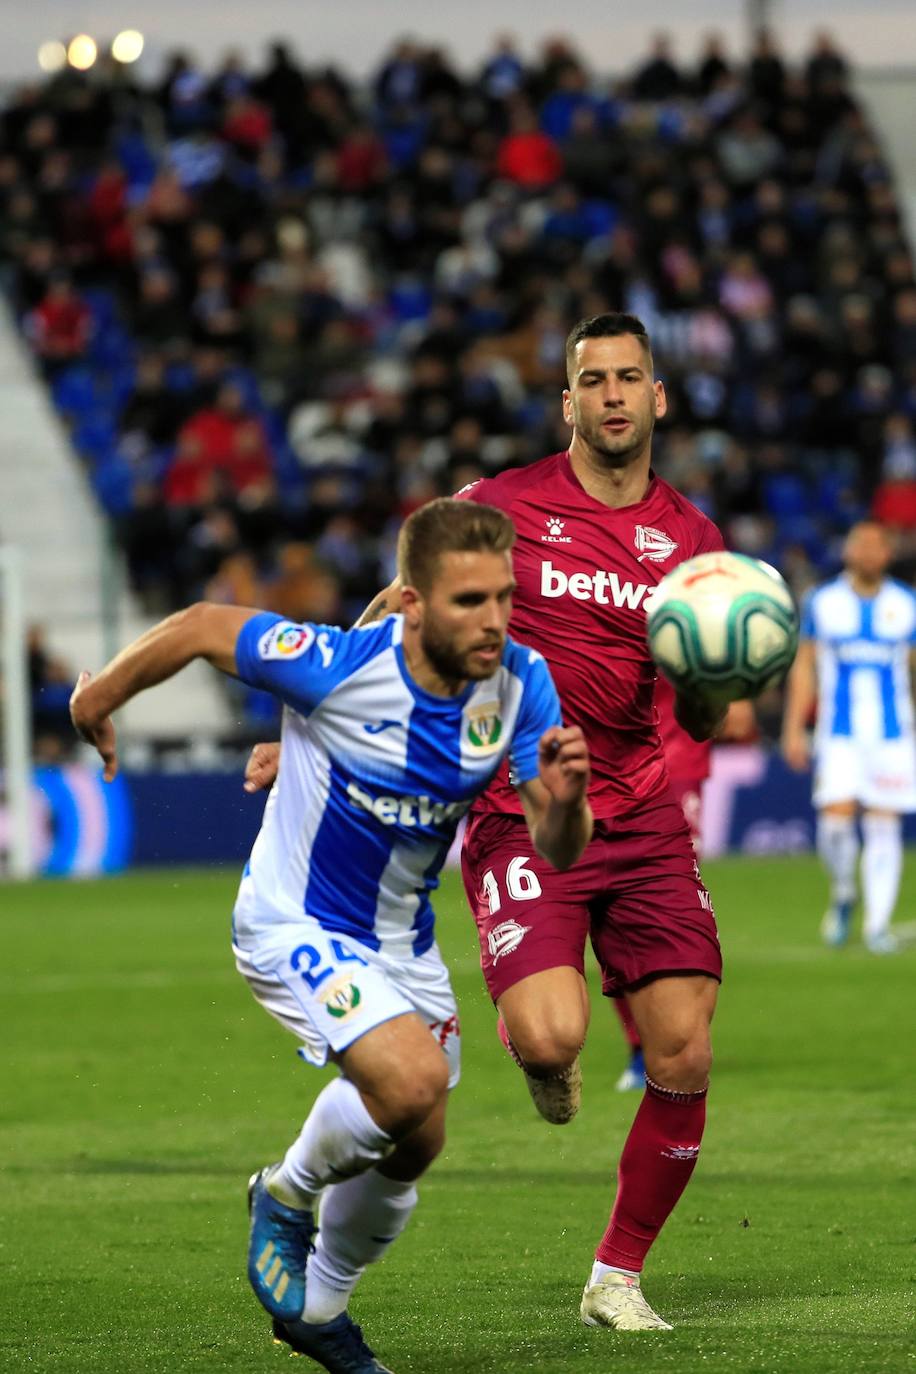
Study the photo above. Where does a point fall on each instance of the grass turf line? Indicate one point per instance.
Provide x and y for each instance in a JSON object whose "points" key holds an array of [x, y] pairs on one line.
{"points": [[140, 1085]]}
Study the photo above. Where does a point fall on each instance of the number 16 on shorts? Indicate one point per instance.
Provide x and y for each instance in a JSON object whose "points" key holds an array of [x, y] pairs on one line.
{"points": [[521, 884]]}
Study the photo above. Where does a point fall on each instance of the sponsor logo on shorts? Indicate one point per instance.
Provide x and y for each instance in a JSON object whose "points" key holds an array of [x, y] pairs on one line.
{"points": [[653, 544], [705, 900], [505, 938], [342, 998], [444, 1030], [485, 727], [893, 782], [285, 640]]}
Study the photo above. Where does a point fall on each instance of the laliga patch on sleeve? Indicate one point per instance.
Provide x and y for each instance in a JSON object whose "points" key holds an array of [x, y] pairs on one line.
{"points": [[285, 640]]}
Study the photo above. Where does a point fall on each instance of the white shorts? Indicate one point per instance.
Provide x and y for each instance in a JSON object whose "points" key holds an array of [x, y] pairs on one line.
{"points": [[330, 989], [880, 774]]}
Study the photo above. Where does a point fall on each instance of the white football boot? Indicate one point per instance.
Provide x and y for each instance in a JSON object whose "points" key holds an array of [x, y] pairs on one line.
{"points": [[617, 1301], [557, 1098]]}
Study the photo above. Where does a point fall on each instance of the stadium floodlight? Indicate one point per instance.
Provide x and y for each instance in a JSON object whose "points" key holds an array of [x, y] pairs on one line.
{"points": [[127, 46], [52, 56], [17, 773], [82, 52]]}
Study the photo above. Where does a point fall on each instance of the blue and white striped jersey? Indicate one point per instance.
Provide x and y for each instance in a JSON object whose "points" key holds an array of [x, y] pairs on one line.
{"points": [[375, 774], [863, 646]]}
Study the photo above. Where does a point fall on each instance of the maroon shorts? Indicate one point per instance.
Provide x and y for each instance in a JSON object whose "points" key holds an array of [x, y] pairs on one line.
{"points": [[636, 892]]}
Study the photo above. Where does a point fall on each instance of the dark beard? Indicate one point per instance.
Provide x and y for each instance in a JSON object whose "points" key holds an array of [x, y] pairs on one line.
{"points": [[448, 663]]}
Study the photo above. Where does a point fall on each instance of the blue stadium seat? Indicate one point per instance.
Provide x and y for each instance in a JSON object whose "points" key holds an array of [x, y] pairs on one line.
{"points": [[122, 381], [410, 299], [801, 529], [102, 304], [96, 436], [247, 382], [785, 494], [74, 390], [136, 159], [835, 494], [110, 345], [113, 483], [179, 377]]}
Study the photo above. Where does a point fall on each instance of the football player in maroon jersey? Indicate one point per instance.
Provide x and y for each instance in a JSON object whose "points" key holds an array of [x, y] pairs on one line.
{"points": [[688, 762], [596, 531]]}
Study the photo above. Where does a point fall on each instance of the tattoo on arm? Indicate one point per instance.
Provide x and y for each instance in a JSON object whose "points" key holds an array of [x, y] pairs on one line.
{"points": [[376, 610]]}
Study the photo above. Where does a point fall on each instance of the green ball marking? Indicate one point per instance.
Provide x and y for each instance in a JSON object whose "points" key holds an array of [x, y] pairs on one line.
{"points": [[731, 676]]}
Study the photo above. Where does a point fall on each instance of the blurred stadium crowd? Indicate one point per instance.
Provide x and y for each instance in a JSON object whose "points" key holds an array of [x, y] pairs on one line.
{"points": [[279, 310]]}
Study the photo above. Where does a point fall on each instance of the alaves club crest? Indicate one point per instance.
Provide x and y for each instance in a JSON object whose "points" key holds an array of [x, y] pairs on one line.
{"points": [[484, 726], [653, 544]]}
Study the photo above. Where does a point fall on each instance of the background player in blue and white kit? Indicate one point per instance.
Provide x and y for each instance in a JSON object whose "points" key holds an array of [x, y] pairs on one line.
{"points": [[854, 662], [389, 732]]}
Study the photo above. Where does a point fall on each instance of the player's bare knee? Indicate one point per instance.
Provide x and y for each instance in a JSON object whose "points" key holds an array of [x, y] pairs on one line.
{"points": [[413, 1092], [548, 1050], [683, 1067]]}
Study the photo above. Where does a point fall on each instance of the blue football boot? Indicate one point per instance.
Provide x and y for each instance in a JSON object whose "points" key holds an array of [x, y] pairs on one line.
{"points": [[835, 925], [337, 1346], [634, 1075], [279, 1245]]}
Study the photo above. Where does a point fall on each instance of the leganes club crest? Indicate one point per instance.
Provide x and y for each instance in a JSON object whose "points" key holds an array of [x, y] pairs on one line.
{"points": [[342, 998], [484, 727]]}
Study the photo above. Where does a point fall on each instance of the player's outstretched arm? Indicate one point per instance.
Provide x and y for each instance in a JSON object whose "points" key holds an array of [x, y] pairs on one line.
{"points": [[556, 802], [202, 631], [801, 697]]}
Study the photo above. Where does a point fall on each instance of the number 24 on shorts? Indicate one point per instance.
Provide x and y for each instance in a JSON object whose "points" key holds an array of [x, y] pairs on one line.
{"points": [[314, 975], [522, 884]]}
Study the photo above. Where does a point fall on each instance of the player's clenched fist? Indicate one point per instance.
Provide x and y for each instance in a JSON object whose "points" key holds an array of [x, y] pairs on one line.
{"points": [[262, 767], [94, 726], [563, 763]]}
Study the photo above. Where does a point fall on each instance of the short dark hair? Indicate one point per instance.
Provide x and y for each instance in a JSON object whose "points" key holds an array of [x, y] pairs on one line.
{"points": [[448, 526], [608, 326]]}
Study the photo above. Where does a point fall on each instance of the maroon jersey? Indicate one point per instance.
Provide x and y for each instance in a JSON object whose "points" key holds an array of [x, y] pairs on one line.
{"points": [[687, 759], [584, 572]]}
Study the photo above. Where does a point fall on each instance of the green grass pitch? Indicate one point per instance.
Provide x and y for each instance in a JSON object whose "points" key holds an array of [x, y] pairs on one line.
{"points": [[140, 1085]]}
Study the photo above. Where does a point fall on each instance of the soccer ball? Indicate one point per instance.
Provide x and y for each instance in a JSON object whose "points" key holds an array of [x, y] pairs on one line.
{"points": [[723, 625]]}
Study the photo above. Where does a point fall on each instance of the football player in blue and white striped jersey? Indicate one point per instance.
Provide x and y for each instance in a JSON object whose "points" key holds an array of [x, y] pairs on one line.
{"points": [[389, 732], [854, 662]]}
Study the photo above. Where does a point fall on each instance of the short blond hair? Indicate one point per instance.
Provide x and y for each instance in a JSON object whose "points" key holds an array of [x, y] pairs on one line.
{"points": [[448, 526]]}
